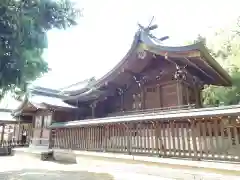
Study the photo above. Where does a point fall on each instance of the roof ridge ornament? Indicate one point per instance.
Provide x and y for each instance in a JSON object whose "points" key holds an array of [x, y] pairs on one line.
{"points": [[149, 28]]}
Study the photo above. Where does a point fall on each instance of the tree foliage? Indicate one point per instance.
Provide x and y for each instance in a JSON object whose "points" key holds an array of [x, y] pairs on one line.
{"points": [[23, 38], [225, 48]]}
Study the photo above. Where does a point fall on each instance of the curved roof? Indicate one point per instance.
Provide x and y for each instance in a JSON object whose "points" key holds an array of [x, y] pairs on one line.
{"points": [[143, 41], [154, 46], [41, 98], [78, 87], [6, 116]]}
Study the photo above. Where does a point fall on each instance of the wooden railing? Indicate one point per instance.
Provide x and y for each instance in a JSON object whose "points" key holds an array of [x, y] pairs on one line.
{"points": [[14, 143], [154, 110], [202, 138]]}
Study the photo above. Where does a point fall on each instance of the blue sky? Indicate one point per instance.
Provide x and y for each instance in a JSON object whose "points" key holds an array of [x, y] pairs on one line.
{"points": [[105, 32]]}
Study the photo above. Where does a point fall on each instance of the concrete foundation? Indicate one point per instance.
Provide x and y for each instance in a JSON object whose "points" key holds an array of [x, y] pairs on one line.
{"points": [[65, 156]]}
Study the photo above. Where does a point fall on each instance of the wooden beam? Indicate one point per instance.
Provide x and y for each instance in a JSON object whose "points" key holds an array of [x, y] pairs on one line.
{"points": [[185, 54], [109, 85], [198, 68]]}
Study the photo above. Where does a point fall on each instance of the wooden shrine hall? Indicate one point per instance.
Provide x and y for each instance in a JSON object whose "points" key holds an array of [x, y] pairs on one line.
{"points": [[40, 107], [149, 103]]}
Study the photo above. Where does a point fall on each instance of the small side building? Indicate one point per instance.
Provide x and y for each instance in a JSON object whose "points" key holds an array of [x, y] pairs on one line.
{"points": [[40, 108], [7, 125]]}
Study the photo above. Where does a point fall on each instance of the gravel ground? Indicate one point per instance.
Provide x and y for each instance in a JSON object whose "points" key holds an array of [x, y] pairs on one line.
{"points": [[26, 168], [36, 174]]}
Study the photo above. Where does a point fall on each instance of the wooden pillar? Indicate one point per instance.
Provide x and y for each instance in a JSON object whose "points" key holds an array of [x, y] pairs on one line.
{"points": [[93, 107], [32, 130], [179, 93], [142, 97], [200, 98], [42, 126], [122, 100], [188, 94], [199, 95], [19, 128], [159, 95], [2, 134], [14, 131], [195, 89], [121, 92], [52, 133]]}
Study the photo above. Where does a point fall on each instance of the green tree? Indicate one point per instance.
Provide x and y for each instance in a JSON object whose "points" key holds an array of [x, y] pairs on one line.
{"points": [[225, 48], [23, 38]]}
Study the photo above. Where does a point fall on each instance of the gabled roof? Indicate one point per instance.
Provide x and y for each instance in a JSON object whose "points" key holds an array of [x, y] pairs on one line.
{"points": [[44, 101], [42, 98], [6, 116], [195, 55], [78, 87], [45, 91]]}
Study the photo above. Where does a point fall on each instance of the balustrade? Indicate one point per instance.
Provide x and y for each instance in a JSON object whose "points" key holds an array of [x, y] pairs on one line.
{"points": [[206, 138]]}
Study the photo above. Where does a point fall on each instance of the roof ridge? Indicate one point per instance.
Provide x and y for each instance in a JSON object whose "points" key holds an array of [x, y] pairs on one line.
{"points": [[77, 83]]}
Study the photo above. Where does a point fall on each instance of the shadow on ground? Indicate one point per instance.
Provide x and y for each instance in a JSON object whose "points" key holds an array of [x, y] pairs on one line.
{"points": [[34, 174]]}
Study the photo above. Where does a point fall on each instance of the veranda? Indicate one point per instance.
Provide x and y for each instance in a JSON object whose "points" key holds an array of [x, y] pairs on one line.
{"points": [[207, 133]]}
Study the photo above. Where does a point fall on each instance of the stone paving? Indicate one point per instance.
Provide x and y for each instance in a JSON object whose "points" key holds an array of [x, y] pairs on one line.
{"points": [[26, 168]]}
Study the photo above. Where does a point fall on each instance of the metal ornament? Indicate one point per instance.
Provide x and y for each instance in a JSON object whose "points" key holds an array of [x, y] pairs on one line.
{"points": [[140, 80], [142, 54], [180, 74]]}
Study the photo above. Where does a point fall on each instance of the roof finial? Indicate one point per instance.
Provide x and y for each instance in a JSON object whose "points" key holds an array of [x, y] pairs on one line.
{"points": [[151, 27]]}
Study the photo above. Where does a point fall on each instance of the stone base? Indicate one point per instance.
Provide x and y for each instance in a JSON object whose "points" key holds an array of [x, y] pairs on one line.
{"points": [[64, 156], [5, 151], [42, 154]]}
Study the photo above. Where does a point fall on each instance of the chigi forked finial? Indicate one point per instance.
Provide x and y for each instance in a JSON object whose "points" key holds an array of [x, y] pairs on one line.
{"points": [[151, 27]]}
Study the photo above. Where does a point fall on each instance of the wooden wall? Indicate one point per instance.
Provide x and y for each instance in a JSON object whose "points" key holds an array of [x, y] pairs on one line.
{"points": [[165, 92], [43, 119], [62, 116]]}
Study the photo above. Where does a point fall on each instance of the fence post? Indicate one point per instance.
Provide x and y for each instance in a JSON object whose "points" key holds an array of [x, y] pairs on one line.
{"points": [[106, 136], [129, 140], [156, 131], [193, 134]]}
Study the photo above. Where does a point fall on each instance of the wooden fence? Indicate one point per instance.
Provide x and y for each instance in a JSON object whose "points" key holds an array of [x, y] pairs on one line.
{"points": [[205, 138]]}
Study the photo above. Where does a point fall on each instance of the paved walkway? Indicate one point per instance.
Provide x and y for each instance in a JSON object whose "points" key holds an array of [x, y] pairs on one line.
{"points": [[26, 168], [168, 161]]}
